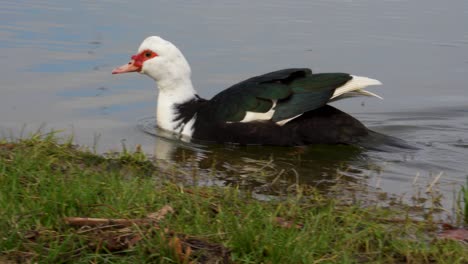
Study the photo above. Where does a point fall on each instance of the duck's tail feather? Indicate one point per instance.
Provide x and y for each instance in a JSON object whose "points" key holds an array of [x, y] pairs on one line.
{"points": [[381, 142]]}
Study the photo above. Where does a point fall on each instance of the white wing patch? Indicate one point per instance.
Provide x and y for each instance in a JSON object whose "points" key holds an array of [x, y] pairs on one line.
{"points": [[284, 121], [355, 87], [255, 116]]}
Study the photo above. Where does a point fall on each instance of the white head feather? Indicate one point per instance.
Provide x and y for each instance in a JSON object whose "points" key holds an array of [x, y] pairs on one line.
{"points": [[169, 68]]}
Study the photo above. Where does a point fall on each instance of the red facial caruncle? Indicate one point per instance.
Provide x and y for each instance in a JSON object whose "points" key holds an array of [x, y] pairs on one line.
{"points": [[136, 63]]}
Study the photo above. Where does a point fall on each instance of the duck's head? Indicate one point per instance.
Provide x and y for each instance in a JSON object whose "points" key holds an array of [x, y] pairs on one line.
{"points": [[159, 59]]}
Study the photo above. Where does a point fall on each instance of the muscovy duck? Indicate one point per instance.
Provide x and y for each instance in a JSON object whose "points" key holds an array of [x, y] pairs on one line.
{"points": [[288, 107]]}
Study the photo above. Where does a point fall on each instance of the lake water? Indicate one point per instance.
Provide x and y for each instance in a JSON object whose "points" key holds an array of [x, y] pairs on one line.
{"points": [[57, 57]]}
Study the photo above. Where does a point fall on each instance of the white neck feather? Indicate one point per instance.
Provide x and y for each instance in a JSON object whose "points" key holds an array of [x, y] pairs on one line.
{"points": [[169, 96]]}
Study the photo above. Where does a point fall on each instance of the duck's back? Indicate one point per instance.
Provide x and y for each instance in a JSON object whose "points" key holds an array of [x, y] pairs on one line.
{"points": [[325, 125]]}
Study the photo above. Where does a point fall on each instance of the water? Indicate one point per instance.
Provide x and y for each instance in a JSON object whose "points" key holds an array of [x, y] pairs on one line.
{"points": [[57, 57]]}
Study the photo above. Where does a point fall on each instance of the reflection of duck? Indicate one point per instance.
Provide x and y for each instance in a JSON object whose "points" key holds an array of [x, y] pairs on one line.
{"points": [[254, 166], [286, 107]]}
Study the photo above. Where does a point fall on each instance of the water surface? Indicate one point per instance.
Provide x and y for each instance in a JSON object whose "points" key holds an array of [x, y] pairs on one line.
{"points": [[57, 58]]}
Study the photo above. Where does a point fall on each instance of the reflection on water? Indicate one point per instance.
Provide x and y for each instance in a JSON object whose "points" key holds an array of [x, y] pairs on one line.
{"points": [[255, 167]]}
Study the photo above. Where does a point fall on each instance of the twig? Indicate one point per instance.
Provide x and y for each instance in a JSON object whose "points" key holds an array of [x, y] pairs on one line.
{"points": [[88, 221], [152, 218]]}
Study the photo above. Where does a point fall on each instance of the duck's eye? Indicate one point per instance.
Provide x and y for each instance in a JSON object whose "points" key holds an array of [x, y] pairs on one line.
{"points": [[148, 54]]}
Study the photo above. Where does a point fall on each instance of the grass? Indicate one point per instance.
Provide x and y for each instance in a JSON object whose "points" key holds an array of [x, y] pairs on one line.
{"points": [[43, 181], [463, 203]]}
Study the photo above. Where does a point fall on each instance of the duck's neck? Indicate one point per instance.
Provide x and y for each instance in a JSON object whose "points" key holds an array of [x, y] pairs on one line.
{"points": [[171, 95]]}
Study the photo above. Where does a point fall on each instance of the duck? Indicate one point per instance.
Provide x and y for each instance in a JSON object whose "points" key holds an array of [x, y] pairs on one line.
{"points": [[287, 107]]}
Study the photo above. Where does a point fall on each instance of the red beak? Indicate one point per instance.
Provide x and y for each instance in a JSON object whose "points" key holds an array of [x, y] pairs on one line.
{"points": [[129, 67]]}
